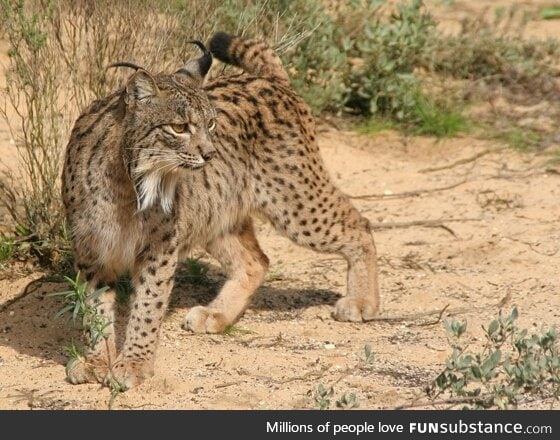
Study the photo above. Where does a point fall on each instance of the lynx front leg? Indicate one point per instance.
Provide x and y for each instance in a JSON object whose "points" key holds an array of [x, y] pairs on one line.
{"points": [[101, 338], [246, 266], [153, 282]]}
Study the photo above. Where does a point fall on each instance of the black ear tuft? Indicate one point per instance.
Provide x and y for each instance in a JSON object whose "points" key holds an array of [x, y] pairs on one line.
{"points": [[198, 68], [205, 61], [124, 64]]}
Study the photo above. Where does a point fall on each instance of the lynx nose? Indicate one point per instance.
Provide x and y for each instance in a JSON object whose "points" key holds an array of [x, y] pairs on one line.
{"points": [[207, 155]]}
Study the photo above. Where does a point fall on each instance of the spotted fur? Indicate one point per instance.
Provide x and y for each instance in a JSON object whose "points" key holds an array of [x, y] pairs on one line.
{"points": [[266, 162]]}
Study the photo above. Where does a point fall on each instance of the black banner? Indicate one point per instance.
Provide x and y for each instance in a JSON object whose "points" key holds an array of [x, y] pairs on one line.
{"points": [[344, 425]]}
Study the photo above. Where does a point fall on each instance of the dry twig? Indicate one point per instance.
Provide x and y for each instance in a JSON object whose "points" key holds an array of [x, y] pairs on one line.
{"points": [[462, 161], [450, 312], [405, 194], [438, 223]]}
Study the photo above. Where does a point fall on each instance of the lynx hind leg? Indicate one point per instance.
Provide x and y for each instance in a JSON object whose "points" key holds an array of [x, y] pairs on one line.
{"points": [[101, 351], [317, 215], [245, 265], [361, 302]]}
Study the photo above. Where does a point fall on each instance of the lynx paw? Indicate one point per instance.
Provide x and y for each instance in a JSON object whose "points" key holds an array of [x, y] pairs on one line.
{"points": [[86, 370], [355, 309], [201, 319], [126, 374]]}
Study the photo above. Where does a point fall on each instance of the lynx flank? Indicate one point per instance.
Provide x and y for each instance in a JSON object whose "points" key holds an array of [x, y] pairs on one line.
{"points": [[167, 164]]}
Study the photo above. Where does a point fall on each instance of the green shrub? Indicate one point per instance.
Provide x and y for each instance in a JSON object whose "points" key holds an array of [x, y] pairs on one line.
{"points": [[389, 49], [511, 367]]}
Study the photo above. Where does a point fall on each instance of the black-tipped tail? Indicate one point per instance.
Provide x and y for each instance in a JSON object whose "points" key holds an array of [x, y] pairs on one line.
{"points": [[255, 57], [219, 45]]}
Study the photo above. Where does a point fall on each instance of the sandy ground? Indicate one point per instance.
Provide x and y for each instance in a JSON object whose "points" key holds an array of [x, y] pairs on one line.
{"points": [[494, 239]]}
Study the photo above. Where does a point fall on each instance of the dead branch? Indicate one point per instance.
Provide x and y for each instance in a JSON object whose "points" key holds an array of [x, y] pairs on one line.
{"points": [[450, 312], [405, 194], [314, 374], [229, 384], [462, 161], [439, 223], [437, 320], [532, 246], [28, 290]]}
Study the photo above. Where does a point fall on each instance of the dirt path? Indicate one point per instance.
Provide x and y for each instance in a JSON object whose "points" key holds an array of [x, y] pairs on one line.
{"points": [[500, 240]]}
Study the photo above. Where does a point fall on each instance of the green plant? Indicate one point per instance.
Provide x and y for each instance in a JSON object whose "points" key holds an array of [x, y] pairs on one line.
{"points": [[383, 81], [83, 308], [374, 125], [436, 119], [193, 272], [550, 13], [7, 247], [521, 138], [512, 366], [347, 401], [322, 396], [72, 351], [369, 356]]}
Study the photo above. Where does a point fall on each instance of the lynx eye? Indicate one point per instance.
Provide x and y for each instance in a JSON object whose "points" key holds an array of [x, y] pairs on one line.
{"points": [[179, 128], [211, 125]]}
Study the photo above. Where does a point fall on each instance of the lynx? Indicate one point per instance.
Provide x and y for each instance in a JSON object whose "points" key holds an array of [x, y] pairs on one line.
{"points": [[168, 164]]}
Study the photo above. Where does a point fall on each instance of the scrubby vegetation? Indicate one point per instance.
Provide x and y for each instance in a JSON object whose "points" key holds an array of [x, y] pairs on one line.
{"points": [[365, 58], [382, 64], [512, 368]]}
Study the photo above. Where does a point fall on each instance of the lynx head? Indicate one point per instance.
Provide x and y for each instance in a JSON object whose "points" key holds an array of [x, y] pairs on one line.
{"points": [[168, 123]]}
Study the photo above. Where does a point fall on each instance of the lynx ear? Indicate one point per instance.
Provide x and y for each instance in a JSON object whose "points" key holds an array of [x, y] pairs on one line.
{"points": [[198, 68], [141, 86]]}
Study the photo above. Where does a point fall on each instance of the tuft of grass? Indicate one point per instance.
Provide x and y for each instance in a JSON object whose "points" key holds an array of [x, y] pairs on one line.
{"points": [[550, 13], [435, 119], [194, 272], [72, 351], [554, 158], [522, 139], [374, 125], [7, 248]]}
